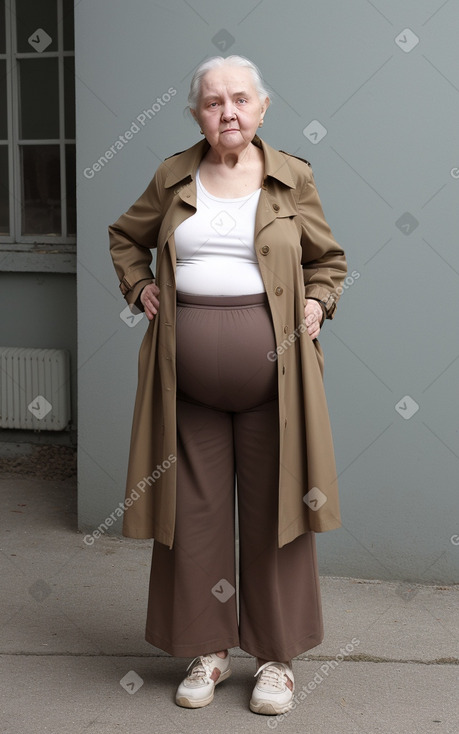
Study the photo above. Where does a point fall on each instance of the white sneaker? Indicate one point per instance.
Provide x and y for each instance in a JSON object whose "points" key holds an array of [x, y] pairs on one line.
{"points": [[271, 694], [197, 689]]}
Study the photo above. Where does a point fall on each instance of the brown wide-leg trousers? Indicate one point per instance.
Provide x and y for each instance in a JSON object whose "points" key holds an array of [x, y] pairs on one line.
{"points": [[227, 427]]}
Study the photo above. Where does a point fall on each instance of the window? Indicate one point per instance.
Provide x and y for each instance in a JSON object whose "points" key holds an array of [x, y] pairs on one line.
{"points": [[37, 122]]}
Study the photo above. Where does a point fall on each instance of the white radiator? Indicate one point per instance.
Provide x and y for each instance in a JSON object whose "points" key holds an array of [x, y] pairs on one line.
{"points": [[34, 388]]}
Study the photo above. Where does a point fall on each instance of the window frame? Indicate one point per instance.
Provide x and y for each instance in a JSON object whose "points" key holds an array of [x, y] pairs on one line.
{"points": [[57, 248]]}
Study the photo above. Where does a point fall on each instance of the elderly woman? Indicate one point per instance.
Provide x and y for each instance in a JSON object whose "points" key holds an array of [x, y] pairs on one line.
{"points": [[230, 387]]}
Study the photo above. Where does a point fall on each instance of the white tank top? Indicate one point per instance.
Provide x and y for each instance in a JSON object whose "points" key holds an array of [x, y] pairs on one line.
{"points": [[215, 247]]}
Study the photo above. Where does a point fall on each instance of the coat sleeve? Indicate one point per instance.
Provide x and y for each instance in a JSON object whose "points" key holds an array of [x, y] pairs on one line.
{"points": [[323, 260], [132, 238]]}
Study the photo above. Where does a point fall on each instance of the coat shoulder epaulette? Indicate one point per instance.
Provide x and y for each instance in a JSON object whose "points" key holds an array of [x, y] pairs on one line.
{"points": [[296, 156], [174, 154]]}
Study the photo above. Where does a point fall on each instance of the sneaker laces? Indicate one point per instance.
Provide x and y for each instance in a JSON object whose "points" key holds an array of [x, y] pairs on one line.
{"points": [[202, 670], [272, 675]]}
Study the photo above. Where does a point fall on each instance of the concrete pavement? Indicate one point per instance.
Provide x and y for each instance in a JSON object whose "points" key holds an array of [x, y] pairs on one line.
{"points": [[73, 657]]}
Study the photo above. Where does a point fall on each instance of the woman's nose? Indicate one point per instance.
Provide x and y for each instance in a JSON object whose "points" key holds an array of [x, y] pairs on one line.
{"points": [[228, 111]]}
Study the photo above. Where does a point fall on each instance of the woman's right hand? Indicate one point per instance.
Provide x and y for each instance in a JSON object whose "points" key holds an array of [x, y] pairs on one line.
{"points": [[149, 299]]}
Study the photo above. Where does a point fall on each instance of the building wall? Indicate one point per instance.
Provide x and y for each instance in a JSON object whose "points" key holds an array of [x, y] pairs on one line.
{"points": [[368, 92], [39, 310]]}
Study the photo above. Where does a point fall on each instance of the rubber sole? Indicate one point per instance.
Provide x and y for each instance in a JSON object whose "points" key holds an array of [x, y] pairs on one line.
{"points": [[269, 709]]}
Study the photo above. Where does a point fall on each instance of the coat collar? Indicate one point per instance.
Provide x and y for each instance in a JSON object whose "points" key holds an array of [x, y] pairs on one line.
{"points": [[184, 165]]}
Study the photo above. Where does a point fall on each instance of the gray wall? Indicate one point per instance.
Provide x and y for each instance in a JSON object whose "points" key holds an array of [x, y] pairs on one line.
{"points": [[387, 171], [39, 310]]}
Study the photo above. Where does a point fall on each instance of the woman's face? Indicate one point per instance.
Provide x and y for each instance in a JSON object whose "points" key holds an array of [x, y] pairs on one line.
{"points": [[229, 110]]}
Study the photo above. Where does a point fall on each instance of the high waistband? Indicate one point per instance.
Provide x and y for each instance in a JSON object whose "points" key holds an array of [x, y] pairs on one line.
{"points": [[246, 301]]}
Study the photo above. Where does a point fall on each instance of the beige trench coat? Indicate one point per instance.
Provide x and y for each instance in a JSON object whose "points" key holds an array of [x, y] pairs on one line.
{"points": [[298, 258]]}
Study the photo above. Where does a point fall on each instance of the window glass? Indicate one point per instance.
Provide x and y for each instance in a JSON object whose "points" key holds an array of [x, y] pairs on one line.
{"points": [[39, 118], [41, 195], [71, 188], [39, 99], [3, 114], [68, 10], [36, 25], [2, 27], [4, 198], [69, 97]]}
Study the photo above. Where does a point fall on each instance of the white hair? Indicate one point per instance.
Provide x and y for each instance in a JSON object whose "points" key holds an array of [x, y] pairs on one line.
{"points": [[215, 62]]}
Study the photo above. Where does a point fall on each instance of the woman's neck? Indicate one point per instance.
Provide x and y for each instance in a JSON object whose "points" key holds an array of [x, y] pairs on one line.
{"points": [[232, 158], [231, 175]]}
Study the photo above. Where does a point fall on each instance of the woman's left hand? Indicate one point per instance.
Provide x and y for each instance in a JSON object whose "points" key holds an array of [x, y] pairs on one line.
{"points": [[313, 316]]}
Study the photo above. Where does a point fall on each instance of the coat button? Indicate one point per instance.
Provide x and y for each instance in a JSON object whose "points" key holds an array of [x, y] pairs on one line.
{"points": [[285, 329], [279, 291], [264, 250], [276, 207], [283, 369]]}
